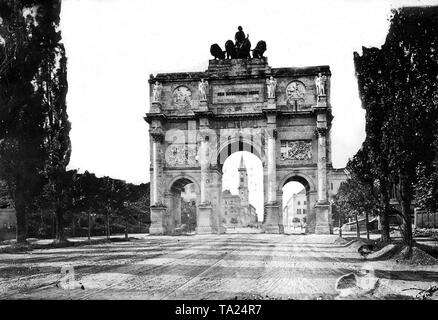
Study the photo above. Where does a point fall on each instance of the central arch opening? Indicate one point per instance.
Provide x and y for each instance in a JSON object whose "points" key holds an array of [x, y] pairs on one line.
{"points": [[242, 193]]}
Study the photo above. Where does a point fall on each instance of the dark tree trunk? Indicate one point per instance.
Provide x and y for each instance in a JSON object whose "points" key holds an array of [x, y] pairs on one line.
{"points": [[89, 225], [59, 220], [108, 235], [366, 225], [20, 209], [126, 228], [73, 227], [384, 214], [405, 202], [357, 227]]}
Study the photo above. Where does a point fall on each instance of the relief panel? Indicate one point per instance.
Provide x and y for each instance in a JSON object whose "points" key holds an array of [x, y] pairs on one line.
{"points": [[296, 150], [181, 155]]}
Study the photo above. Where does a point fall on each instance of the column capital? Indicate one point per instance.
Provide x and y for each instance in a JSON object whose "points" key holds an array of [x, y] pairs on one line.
{"points": [[322, 131], [157, 134]]}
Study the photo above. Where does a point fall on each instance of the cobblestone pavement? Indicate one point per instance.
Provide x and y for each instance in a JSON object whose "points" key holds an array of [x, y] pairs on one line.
{"points": [[259, 266]]}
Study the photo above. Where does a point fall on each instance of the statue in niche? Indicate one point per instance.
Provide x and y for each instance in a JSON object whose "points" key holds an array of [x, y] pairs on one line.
{"points": [[271, 85], [320, 81], [156, 91], [203, 89]]}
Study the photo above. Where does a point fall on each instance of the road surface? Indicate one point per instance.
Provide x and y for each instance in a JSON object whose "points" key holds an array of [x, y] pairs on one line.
{"points": [[246, 266]]}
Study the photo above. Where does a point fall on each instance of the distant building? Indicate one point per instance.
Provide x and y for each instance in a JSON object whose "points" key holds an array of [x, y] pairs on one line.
{"points": [[296, 209], [238, 212]]}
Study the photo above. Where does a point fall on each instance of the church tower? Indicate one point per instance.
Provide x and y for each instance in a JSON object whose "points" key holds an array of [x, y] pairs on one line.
{"points": [[243, 184]]}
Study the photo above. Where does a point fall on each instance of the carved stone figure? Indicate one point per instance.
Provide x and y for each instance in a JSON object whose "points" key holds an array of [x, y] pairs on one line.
{"points": [[259, 50], [243, 52], [296, 150], [203, 84], [271, 85], [239, 37], [217, 52], [180, 155], [230, 48], [156, 93], [182, 97], [320, 82]]}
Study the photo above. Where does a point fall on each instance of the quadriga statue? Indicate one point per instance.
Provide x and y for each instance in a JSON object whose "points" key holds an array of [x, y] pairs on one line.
{"points": [[217, 52], [230, 49], [244, 50], [259, 50]]}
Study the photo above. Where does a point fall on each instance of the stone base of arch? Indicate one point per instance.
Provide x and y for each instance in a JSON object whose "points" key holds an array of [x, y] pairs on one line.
{"points": [[322, 223], [157, 218], [204, 216], [273, 222]]}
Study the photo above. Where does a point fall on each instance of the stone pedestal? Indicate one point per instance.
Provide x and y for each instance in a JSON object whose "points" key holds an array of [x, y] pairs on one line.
{"points": [[157, 220], [203, 106], [271, 105], [155, 107], [272, 223], [203, 224], [322, 101], [322, 225]]}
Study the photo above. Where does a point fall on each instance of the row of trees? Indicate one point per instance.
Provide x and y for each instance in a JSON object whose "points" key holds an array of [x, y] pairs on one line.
{"points": [[398, 86], [113, 203], [35, 146]]}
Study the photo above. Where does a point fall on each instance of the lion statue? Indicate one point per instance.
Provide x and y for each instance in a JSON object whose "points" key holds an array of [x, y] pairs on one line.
{"points": [[230, 49], [259, 50], [217, 52]]}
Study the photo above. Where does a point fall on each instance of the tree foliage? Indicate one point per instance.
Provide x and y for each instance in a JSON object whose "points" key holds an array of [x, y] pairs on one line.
{"points": [[398, 89], [21, 115]]}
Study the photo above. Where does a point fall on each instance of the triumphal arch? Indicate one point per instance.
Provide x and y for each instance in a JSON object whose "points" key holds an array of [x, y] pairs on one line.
{"points": [[197, 119]]}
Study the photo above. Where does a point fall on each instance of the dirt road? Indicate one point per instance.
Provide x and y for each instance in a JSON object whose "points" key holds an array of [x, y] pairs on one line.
{"points": [[192, 267]]}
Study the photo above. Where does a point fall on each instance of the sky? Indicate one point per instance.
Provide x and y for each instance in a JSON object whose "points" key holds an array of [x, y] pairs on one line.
{"points": [[113, 45]]}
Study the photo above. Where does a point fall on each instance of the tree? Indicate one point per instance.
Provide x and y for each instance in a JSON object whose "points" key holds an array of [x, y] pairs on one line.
{"points": [[400, 80], [371, 163], [354, 199], [360, 168], [427, 188], [5, 199], [21, 116]]}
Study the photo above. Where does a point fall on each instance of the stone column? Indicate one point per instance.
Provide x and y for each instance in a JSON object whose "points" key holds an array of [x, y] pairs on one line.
{"points": [[204, 214], [322, 207], [203, 159], [158, 210], [154, 199], [272, 179], [322, 165], [272, 223]]}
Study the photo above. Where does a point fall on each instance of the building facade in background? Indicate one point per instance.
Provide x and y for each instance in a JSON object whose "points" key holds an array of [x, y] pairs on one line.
{"points": [[295, 210], [238, 212]]}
